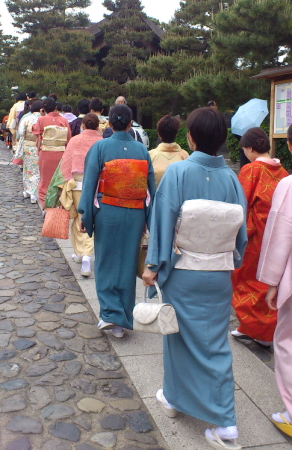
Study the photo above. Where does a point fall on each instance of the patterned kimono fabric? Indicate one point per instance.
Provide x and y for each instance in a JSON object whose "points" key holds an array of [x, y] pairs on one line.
{"points": [[31, 173], [117, 216], [198, 378], [55, 132], [259, 180]]}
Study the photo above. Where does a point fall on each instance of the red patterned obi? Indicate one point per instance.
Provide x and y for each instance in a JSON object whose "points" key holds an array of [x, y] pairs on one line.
{"points": [[123, 183]]}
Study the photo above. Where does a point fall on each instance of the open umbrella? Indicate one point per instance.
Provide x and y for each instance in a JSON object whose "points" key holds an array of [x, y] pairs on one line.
{"points": [[249, 115]]}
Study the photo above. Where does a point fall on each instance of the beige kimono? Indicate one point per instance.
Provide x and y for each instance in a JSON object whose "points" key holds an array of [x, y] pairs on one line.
{"points": [[163, 156]]}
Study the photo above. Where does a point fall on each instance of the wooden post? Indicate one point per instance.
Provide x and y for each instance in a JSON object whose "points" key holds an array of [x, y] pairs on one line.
{"points": [[272, 120]]}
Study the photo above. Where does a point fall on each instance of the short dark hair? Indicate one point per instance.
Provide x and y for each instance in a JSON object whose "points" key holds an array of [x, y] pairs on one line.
{"points": [[211, 103], [36, 106], [54, 96], [21, 96], [59, 106], [167, 128], [67, 108], [120, 116], [90, 121], [289, 134], [49, 104], [96, 105], [31, 94], [83, 106], [208, 129], [257, 139]]}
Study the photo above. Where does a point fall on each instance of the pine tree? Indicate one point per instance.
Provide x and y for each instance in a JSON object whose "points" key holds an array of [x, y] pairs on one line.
{"points": [[31, 16], [190, 30], [128, 38], [7, 47], [254, 34]]}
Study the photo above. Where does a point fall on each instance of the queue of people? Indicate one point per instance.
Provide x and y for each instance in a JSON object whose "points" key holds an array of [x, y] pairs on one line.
{"points": [[206, 229]]}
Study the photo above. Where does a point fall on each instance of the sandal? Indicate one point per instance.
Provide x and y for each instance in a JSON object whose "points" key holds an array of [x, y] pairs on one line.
{"points": [[286, 426], [230, 444], [165, 407]]}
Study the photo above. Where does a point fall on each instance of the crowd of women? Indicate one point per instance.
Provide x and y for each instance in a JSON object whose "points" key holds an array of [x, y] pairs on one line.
{"points": [[214, 240]]}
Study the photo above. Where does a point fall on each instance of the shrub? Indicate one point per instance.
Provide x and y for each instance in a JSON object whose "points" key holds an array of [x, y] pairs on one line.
{"points": [[282, 151], [181, 139]]}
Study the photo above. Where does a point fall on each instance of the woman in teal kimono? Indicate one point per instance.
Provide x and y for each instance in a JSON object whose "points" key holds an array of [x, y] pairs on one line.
{"points": [[118, 187], [198, 378]]}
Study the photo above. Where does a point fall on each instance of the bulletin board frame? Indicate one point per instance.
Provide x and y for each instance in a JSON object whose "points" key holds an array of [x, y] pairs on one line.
{"points": [[281, 107]]}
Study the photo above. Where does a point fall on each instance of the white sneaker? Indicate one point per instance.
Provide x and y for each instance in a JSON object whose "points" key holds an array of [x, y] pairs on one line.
{"points": [[241, 336], [25, 194], [86, 268], [165, 407], [76, 258], [118, 332], [103, 325], [33, 199]]}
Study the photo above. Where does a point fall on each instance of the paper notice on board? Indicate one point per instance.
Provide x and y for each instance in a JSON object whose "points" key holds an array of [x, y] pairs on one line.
{"points": [[283, 94], [289, 121], [283, 111], [288, 94], [288, 109]]}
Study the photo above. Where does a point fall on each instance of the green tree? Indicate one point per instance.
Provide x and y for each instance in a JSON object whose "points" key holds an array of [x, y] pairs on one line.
{"points": [[128, 38], [7, 47], [191, 28], [31, 16], [254, 34]]}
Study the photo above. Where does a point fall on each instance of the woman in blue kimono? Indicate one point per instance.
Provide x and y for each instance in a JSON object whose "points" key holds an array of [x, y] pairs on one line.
{"points": [[118, 187], [197, 236]]}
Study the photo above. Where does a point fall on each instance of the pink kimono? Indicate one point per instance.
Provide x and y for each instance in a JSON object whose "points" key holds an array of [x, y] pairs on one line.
{"points": [[275, 269]]}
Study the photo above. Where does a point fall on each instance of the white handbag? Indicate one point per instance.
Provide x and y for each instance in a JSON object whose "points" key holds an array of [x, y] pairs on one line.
{"points": [[159, 318]]}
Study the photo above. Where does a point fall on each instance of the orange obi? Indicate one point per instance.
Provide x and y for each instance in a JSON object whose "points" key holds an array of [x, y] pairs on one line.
{"points": [[123, 183]]}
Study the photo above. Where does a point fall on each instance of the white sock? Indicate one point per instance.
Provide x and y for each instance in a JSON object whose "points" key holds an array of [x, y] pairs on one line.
{"points": [[224, 433], [276, 417], [86, 264]]}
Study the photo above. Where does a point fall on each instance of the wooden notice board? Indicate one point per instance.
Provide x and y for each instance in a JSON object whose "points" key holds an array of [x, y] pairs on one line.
{"points": [[282, 108]]}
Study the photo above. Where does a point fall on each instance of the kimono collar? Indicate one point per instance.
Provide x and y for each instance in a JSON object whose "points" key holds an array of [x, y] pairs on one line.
{"points": [[273, 162], [54, 114], [169, 148], [207, 160], [122, 135]]}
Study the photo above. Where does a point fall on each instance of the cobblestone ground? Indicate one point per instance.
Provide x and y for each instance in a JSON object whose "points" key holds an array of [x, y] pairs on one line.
{"points": [[61, 385]]}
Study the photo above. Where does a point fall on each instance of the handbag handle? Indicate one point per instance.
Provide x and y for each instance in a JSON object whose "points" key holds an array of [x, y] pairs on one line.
{"points": [[158, 292]]}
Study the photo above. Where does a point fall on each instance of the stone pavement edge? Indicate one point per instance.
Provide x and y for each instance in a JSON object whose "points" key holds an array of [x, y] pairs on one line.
{"points": [[62, 386]]}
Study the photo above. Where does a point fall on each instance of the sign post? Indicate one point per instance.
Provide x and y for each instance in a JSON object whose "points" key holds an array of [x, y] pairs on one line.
{"points": [[281, 102]]}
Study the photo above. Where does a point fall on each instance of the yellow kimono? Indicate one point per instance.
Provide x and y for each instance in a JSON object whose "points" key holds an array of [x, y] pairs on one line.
{"points": [[163, 156]]}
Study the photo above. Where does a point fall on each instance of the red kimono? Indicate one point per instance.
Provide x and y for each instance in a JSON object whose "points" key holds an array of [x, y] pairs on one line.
{"points": [[49, 160], [259, 180]]}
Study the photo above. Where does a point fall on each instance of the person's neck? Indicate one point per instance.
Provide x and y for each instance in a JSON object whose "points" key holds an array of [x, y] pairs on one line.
{"points": [[263, 155]]}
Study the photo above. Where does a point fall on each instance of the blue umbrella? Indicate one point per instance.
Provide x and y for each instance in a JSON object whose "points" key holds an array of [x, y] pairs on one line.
{"points": [[249, 115]]}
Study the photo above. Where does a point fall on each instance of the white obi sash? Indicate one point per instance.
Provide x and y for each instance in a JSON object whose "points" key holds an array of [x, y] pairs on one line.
{"points": [[206, 233], [54, 138]]}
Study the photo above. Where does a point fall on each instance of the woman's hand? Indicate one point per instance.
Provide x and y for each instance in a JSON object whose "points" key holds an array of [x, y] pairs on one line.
{"points": [[271, 297], [148, 277], [82, 227]]}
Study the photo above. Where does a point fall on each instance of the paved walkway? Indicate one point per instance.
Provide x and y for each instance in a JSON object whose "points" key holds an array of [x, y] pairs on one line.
{"points": [[62, 386], [52, 357]]}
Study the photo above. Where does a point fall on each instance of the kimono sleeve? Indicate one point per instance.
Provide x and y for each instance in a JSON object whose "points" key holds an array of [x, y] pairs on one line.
{"points": [[164, 217], [277, 240], [241, 239], [246, 178], [151, 189], [92, 171]]}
